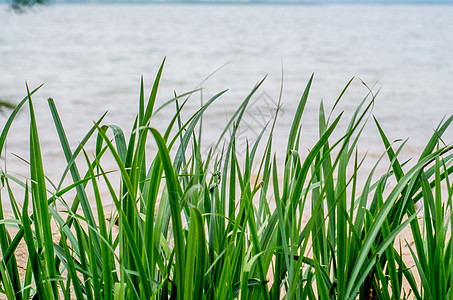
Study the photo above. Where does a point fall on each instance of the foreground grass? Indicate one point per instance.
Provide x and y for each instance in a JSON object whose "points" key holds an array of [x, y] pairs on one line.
{"points": [[183, 231]]}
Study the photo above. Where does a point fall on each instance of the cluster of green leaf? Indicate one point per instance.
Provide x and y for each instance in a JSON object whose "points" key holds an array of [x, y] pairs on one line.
{"points": [[193, 226]]}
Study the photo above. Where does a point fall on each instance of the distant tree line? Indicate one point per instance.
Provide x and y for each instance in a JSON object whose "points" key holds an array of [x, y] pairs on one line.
{"points": [[21, 5]]}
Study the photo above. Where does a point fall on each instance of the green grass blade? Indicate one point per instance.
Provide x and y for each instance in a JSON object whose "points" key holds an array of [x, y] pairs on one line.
{"points": [[38, 189], [173, 192], [297, 118]]}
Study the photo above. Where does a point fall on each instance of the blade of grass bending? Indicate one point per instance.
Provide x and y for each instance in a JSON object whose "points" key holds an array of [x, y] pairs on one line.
{"points": [[168, 102], [70, 158], [38, 189], [120, 141], [173, 193], [119, 161]]}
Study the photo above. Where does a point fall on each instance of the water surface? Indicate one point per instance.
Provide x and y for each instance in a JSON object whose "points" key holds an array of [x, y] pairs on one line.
{"points": [[91, 57]]}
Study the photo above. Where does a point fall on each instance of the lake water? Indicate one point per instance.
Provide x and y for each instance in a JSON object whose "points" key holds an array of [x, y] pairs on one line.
{"points": [[91, 57]]}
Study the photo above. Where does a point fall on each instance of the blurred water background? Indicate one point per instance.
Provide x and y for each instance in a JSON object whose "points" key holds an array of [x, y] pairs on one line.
{"points": [[91, 57]]}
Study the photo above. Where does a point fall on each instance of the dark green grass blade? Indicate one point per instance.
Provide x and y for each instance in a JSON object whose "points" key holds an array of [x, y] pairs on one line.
{"points": [[11, 265], [173, 192], [298, 116], [190, 130], [436, 137], [128, 231], [237, 116], [107, 268], [398, 171], [38, 189], [201, 257], [70, 158], [33, 255], [152, 97]]}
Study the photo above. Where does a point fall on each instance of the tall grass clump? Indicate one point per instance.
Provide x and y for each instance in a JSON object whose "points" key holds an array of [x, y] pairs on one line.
{"points": [[191, 225]]}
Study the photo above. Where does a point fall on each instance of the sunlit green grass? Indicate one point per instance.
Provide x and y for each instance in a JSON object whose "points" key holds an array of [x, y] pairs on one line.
{"points": [[190, 225]]}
